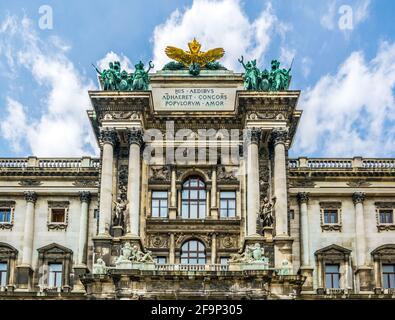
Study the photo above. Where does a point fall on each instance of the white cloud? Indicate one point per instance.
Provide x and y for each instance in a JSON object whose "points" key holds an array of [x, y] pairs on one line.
{"points": [[15, 127], [111, 57], [327, 20], [62, 127], [220, 23], [352, 112]]}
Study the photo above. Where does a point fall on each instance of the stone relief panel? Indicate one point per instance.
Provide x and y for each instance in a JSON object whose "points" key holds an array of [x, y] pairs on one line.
{"points": [[158, 241]]}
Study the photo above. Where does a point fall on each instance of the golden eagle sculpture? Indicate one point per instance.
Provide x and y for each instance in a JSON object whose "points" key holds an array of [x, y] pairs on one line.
{"points": [[194, 55]]}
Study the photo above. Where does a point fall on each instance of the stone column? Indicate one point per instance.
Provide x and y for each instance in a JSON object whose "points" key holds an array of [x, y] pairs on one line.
{"points": [[254, 136], [108, 139], [85, 197], [25, 270], [172, 248], [213, 202], [358, 198], [363, 272], [303, 198], [28, 231], [213, 248], [135, 137], [278, 138], [173, 195]]}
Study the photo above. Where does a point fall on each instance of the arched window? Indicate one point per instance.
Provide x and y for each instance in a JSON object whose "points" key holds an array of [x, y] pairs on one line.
{"points": [[193, 252], [193, 199]]}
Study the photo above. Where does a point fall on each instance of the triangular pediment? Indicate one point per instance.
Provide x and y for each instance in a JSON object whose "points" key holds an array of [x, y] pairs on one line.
{"points": [[333, 249], [54, 248]]}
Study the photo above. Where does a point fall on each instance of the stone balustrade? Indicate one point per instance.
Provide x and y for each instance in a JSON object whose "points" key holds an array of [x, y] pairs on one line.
{"points": [[341, 163], [33, 162]]}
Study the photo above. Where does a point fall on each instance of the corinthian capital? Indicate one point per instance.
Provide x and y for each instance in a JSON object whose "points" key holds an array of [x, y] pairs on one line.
{"points": [[303, 197], [85, 196], [135, 136], [358, 197], [279, 136], [254, 135], [108, 136], [30, 196]]}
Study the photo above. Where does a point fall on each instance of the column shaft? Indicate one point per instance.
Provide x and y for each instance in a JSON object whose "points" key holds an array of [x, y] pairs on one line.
{"points": [[213, 248], [83, 236], [280, 184], [106, 189], [172, 249], [28, 234], [135, 141], [304, 229], [253, 182], [360, 241]]}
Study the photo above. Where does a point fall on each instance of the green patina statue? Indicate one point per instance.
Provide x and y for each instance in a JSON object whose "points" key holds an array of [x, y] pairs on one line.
{"points": [[115, 79], [274, 80]]}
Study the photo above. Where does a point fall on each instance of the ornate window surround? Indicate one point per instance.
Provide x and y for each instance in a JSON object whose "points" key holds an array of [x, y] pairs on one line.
{"points": [[384, 254], [8, 205], [334, 205], [333, 254], [385, 205], [55, 253], [9, 255], [58, 205]]}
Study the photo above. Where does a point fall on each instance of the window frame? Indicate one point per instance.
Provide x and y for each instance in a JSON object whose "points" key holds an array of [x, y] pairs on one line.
{"points": [[57, 275], [160, 202], [390, 276], [332, 275], [385, 206], [199, 203], [227, 199], [4, 274], [7, 205], [58, 205], [331, 206], [197, 254]]}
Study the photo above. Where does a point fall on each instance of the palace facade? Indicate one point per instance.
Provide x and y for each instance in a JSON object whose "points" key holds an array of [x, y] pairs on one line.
{"points": [[194, 212]]}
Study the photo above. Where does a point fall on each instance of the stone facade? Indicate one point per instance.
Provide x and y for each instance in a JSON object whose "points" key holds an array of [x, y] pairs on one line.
{"points": [[325, 226]]}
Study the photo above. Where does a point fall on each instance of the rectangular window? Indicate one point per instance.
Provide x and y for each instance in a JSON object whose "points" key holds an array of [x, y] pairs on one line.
{"points": [[389, 276], [3, 274], [161, 260], [332, 276], [224, 260], [58, 215], [291, 214], [331, 216], [227, 204], [55, 275], [159, 207], [5, 215], [386, 216]]}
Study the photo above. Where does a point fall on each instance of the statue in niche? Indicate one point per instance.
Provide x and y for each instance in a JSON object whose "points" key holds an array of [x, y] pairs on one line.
{"points": [[120, 207], [266, 212], [99, 267]]}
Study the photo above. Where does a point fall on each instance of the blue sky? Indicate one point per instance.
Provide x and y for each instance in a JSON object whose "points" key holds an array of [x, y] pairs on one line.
{"points": [[347, 76]]}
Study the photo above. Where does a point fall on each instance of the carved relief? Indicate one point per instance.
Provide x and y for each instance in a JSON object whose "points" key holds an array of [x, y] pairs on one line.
{"points": [[225, 175], [161, 173], [30, 182], [122, 115], [358, 183], [85, 183], [158, 241]]}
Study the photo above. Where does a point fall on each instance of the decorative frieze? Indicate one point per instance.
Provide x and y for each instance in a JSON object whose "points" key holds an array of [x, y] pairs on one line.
{"points": [[30, 196], [279, 136], [109, 136], [85, 196], [358, 197], [135, 136], [303, 197], [254, 135], [29, 182]]}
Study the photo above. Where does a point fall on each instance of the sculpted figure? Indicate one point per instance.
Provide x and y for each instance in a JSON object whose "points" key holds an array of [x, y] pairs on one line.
{"points": [[99, 267], [222, 174], [285, 268], [120, 207], [251, 75], [140, 76], [161, 173], [126, 253], [266, 212]]}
